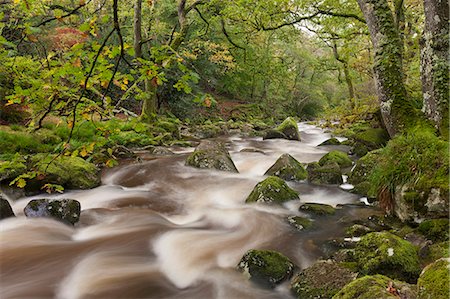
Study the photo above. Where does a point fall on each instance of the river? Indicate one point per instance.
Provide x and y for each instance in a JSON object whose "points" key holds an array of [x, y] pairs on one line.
{"points": [[160, 229]]}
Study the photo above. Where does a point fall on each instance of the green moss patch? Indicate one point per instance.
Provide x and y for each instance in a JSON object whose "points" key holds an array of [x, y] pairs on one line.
{"points": [[287, 168], [435, 229], [317, 209], [272, 190], [338, 157], [289, 128], [434, 280], [330, 173], [300, 223]]}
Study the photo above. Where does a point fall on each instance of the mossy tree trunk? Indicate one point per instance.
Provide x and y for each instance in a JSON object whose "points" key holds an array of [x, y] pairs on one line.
{"points": [[396, 109], [435, 65]]}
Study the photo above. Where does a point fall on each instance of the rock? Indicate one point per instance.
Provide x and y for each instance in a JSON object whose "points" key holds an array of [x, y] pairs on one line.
{"points": [[387, 254], [321, 280], [274, 134], [211, 155], [160, 151], [357, 230], [252, 150], [272, 190], [287, 168], [364, 189], [300, 223], [5, 209], [435, 229], [331, 141], [289, 128], [376, 287], [434, 280], [65, 210], [266, 267], [328, 174], [363, 168], [317, 209], [369, 140], [69, 172], [338, 157]]}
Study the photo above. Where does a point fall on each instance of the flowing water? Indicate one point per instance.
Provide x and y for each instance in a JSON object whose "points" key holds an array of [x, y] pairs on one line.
{"points": [[160, 229]]}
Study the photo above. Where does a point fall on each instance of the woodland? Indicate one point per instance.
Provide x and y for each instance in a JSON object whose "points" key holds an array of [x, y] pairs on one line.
{"points": [[90, 89]]}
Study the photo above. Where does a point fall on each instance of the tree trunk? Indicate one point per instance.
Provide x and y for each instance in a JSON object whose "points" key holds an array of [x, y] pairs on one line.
{"points": [[348, 78], [397, 111], [434, 64], [137, 26]]}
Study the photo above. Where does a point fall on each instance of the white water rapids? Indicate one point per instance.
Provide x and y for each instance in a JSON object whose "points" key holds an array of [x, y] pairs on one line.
{"points": [[160, 229]]}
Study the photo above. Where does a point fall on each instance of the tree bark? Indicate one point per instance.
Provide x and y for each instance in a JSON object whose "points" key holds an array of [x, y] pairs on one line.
{"points": [[397, 111], [435, 65], [137, 26], [348, 78]]}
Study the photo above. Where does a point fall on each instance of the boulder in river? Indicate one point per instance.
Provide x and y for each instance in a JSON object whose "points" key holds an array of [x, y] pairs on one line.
{"points": [[287, 168], [377, 287], [434, 280], [65, 210], [272, 190], [331, 141], [211, 155], [274, 134], [299, 222], [317, 209], [326, 174], [5, 209], [369, 140], [338, 157], [288, 129], [266, 267], [323, 279], [385, 253]]}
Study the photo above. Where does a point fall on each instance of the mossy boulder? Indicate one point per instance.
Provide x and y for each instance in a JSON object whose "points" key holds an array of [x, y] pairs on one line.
{"points": [[266, 267], [435, 229], [288, 129], [376, 287], [287, 168], [12, 169], [327, 174], [363, 168], [5, 209], [317, 209], [211, 155], [69, 172], [434, 280], [274, 134], [338, 157], [300, 223], [321, 280], [357, 230], [369, 140], [65, 210], [272, 190], [331, 141], [387, 254]]}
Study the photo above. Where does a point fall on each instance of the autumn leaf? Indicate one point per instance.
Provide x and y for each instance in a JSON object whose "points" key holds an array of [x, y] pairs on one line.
{"points": [[77, 63]]}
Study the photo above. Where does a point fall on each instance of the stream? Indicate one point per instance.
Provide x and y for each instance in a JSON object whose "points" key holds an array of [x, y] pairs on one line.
{"points": [[160, 229]]}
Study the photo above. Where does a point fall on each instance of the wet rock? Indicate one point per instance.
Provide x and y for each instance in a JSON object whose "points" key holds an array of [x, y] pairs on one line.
{"points": [[338, 157], [321, 280], [435, 229], [317, 209], [300, 223], [252, 150], [266, 267], [387, 254], [211, 155], [272, 190], [274, 134], [377, 287], [331, 141], [160, 151], [327, 174], [434, 280], [5, 209], [357, 230], [369, 140], [289, 128], [363, 168], [287, 168], [65, 210]]}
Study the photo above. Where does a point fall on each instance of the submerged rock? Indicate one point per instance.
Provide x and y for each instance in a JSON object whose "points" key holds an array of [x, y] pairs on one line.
{"points": [[387, 254], [211, 155], [288, 129], [376, 287], [300, 223], [65, 210], [266, 267], [272, 190], [331, 141], [5, 209], [274, 134], [317, 209], [337, 157], [434, 280], [321, 280], [287, 168], [327, 174]]}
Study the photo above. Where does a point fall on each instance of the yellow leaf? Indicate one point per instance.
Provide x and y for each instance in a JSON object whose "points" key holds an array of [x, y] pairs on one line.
{"points": [[70, 124], [21, 183], [83, 152], [125, 81]]}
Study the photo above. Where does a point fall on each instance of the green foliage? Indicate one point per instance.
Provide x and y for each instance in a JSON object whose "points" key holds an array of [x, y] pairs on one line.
{"points": [[435, 229]]}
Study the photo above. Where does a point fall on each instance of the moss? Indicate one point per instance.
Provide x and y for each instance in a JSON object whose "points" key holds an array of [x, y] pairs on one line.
{"points": [[387, 254], [434, 280], [435, 229], [357, 230], [364, 167], [21, 142], [300, 223], [274, 134], [287, 168], [338, 157], [327, 174], [331, 141], [289, 128], [317, 209], [438, 250], [11, 169], [266, 267], [65, 210], [321, 280], [211, 155], [272, 190], [372, 138], [375, 287]]}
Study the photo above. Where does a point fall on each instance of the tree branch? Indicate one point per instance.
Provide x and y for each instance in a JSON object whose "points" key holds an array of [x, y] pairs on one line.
{"points": [[70, 12], [222, 22]]}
